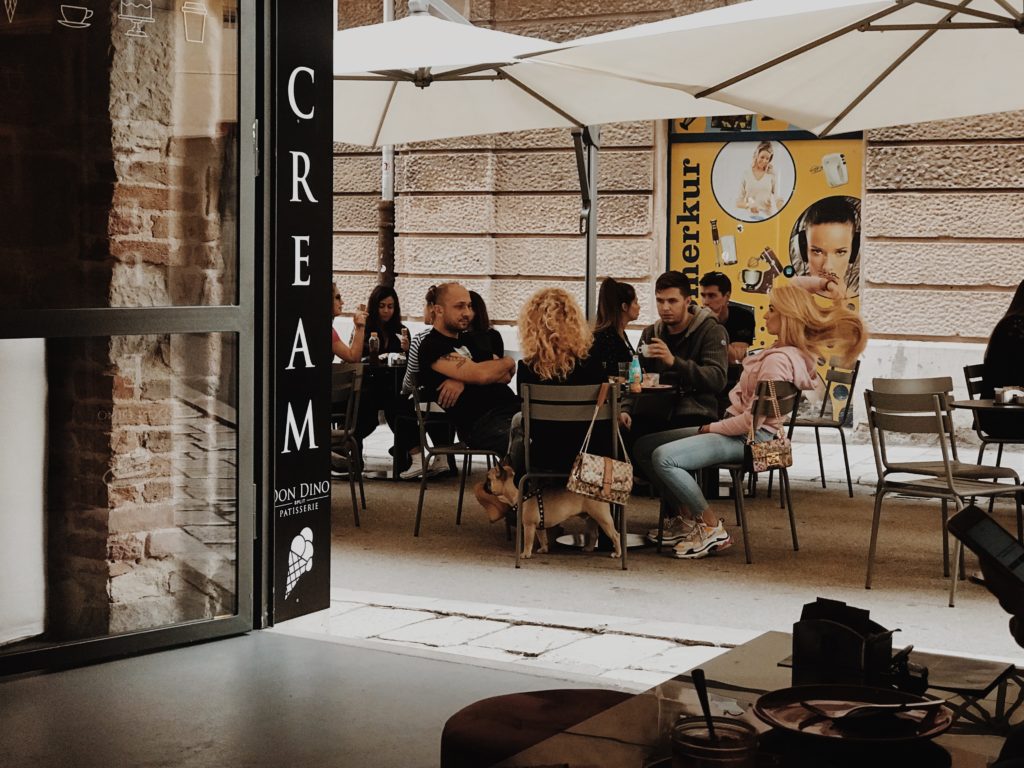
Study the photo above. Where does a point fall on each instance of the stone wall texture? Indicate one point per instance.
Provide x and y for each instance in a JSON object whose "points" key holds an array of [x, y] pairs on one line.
{"points": [[944, 227], [943, 212]]}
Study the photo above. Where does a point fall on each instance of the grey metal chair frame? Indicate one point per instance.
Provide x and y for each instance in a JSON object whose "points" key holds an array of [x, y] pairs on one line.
{"points": [[346, 386], [974, 376], [561, 404], [789, 401], [835, 376], [428, 411], [926, 413]]}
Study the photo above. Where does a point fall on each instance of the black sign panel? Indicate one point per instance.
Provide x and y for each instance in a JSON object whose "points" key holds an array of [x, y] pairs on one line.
{"points": [[302, 307]]}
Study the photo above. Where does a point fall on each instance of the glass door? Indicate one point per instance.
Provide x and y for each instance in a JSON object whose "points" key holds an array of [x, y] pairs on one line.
{"points": [[127, 334]]}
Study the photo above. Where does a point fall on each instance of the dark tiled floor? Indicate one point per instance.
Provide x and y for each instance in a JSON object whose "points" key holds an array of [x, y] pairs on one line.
{"points": [[259, 700]]}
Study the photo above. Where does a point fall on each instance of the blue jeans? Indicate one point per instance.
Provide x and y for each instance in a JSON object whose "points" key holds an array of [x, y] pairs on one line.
{"points": [[667, 458]]}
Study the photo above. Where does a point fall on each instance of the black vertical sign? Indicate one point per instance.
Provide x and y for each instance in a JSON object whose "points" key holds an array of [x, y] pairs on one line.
{"points": [[302, 306]]}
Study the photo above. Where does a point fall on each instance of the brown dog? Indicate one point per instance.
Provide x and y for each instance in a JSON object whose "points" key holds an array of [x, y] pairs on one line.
{"points": [[559, 505]]}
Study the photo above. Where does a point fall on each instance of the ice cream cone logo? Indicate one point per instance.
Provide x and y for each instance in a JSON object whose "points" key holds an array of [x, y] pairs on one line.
{"points": [[300, 559], [10, 6]]}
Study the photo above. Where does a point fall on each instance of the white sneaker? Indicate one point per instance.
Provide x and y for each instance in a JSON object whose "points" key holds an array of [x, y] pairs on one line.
{"points": [[435, 466], [704, 540], [677, 528]]}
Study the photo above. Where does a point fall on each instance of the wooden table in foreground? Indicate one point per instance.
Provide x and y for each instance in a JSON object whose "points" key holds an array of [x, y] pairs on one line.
{"points": [[635, 732]]}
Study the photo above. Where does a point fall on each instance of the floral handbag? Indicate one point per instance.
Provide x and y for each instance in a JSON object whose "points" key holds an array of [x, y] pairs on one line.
{"points": [[601, 477], [776, 453]]}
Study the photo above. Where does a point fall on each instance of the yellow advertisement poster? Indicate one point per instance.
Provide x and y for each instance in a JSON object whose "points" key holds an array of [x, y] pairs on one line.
{"points": [[766, 208]]}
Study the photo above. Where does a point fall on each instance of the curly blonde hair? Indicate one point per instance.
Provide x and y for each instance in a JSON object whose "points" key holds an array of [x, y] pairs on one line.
{"points": [[819, 331], [553, 333]]}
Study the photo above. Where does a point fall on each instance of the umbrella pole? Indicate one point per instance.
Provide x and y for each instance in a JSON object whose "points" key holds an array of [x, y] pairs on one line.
{"points": [[587, 141]]}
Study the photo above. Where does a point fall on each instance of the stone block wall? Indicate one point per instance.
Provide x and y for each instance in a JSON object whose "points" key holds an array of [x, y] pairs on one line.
{"points": [[943, 227]]}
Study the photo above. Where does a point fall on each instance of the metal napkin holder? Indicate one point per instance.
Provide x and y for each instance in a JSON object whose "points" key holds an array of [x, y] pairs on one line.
{"points": [[834, 643]]}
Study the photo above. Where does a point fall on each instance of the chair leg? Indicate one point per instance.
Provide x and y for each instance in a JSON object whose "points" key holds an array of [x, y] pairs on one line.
{"points": [[846, 462], [519, 522], [879, 495], [622, 534], [771, 476], [957, 554], [462, 488], [352, 490], [999, 460], [945, 538], [661, 525], [419, 505], [741, 513], [784, 486], [821, 461]]}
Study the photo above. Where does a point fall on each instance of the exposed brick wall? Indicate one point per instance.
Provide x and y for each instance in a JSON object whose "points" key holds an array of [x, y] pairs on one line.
{"points": [[130, 476]]}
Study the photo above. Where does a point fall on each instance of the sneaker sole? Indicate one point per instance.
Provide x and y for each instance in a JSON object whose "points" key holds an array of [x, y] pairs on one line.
{"points": [[668, 539], [709, 548]]}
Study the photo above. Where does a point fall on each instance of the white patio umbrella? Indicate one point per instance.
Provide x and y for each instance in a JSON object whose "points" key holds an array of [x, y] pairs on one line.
{"points": [[423, 78], [830, 65]]}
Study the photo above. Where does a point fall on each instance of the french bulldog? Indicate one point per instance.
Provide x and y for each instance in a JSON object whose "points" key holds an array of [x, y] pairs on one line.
{"points": [[559, 505]]}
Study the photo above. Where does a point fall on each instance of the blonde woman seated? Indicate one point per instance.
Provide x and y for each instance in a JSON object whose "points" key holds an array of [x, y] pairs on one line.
{"points": [[555, 340], [805, 332]]}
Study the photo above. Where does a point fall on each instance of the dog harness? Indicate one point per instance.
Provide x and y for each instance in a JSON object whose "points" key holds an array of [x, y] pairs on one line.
{"points": [[539, 493]]}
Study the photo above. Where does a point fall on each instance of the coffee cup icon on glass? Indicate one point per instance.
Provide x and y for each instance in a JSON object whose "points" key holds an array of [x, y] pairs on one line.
{"points": [[195, 22], [75, 16]]}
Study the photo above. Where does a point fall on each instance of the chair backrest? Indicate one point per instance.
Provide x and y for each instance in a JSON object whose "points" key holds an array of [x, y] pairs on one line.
{"points": [[838, 375], [936, 385], [426, 410], [788, 395], [975, 378], [939, 385], [558, 403], [908, 414], [346, 385]]}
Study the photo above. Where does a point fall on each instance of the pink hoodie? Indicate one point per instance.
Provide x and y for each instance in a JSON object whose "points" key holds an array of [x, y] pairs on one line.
{"points": [[775, 363]]}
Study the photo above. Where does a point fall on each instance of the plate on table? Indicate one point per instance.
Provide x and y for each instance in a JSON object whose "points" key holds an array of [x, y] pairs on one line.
{"points": [[783, 709], [655, 387]]}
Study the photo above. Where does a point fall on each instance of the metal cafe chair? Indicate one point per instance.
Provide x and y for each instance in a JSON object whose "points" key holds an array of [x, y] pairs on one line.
{"points": [[789, 400], [346, 386], [974, 375], [838, 381], [926, 414], [565, 404], [427, 413]]}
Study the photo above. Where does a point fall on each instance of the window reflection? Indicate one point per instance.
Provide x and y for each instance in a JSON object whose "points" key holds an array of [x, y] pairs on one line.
{"points": [[119, 144]]}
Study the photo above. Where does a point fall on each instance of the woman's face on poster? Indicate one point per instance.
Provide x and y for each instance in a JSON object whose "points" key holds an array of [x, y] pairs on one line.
{"points": [[764, 158], [828, 248]]}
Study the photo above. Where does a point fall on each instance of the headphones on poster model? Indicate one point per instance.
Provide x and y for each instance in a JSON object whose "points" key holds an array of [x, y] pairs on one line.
{"points": [[834, 206]]}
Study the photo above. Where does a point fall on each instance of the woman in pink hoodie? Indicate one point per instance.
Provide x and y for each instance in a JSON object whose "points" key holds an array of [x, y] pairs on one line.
{"points": [[804, 332]]}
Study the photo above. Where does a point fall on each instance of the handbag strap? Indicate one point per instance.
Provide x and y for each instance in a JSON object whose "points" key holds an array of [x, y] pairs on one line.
{"points": [[775, 408], [602, 395]]}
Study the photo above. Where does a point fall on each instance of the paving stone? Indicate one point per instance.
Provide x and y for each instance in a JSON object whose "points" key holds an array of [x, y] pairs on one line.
{"points": [[529, 640], [339, 607], [562, 666], [371, 621], [677, 660], [608, 651], [636, 679], [486, 654], [445, 631]]}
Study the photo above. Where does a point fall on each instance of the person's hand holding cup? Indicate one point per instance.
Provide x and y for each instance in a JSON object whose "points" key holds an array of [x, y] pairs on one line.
{"points": [[359, 318], [658, 349]]}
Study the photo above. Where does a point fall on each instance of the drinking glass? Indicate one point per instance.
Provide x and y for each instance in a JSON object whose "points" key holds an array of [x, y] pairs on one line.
{"points": [[735, 745]]}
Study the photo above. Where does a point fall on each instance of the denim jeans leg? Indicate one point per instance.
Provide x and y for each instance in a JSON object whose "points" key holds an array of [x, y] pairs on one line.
{"points": [[673, 462], [646, 445]]}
